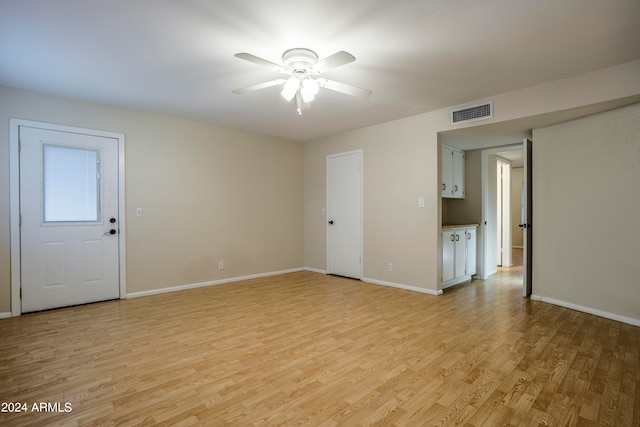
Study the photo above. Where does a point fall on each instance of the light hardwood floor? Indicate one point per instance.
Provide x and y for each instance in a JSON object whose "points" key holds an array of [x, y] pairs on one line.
{"points": [[310, 349]]}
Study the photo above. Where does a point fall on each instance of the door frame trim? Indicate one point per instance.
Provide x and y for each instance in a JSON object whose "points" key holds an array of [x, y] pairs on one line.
{"points": [[14, 201], [360, 152]]}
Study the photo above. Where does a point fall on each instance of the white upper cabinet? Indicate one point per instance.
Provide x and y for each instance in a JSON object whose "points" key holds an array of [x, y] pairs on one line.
{"points": [[458, 174], [447, 171], [452, 168]]}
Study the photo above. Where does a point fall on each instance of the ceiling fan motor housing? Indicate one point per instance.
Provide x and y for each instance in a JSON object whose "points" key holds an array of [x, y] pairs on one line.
{"points": [[299, 59]]}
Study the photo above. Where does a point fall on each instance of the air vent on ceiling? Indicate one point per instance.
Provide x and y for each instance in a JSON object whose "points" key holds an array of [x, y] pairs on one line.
{"points": [[469, 113]]}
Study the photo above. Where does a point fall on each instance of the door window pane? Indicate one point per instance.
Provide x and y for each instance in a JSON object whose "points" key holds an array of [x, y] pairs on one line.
{"points": [[71, 184]]}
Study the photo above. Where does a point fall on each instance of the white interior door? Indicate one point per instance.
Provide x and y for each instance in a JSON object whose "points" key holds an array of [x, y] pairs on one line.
{"points": [[344, 214], [527, 220], [69, 212], [503, 211]]}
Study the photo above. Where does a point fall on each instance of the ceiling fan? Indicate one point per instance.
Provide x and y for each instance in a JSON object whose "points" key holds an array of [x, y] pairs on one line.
{"points": [[303, 68]]}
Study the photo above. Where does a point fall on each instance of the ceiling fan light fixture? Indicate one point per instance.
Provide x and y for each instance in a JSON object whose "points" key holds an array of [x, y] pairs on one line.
{"points": [[290, 88], [309, 89], [302, 65]]}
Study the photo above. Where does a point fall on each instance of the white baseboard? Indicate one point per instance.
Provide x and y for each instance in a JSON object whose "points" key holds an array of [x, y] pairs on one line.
{"points": [[315, 270], [517, 247], [401, 286], [5, 315], [589, 310], [212, 283]]}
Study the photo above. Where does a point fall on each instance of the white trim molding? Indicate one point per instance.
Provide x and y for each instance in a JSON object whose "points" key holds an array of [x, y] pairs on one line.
{"points": [[401, 286], [5, 315], [212, 283], [588, 310], [315, 270]]}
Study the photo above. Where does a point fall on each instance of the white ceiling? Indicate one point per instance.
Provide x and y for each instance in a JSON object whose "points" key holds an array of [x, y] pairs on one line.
{"points": [[176, 57]]}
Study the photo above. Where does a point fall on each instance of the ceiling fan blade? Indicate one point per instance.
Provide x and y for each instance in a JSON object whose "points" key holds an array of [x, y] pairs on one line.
{"points": [[333, 61], [344, 88], [257, 60], [259, 86]]}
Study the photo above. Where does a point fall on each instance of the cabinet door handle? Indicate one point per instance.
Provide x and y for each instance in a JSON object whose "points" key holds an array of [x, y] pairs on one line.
{"points": [[444, 186], [453, 237], [455, 188], [457, 237], [469, 236]]}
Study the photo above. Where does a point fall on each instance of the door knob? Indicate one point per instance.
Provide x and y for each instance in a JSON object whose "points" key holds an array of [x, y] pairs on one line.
{"points": [[331, 222], [112, 220], [112, 231]]}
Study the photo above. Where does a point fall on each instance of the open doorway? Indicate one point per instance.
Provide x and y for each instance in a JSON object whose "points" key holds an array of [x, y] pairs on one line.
{"points": [[519, 210], [502, 171]]}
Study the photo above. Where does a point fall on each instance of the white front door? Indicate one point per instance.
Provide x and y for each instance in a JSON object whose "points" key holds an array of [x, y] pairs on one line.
{"points": [[344, 214], [69, 214]]}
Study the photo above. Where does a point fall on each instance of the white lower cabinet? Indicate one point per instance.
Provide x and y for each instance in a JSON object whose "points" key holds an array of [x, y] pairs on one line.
{"points": [[448, 254], [458, 254], [471, 250]]}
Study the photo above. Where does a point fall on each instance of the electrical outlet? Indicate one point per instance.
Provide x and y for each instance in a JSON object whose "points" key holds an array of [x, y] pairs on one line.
{"points": [[220, 265], [390, 267]]}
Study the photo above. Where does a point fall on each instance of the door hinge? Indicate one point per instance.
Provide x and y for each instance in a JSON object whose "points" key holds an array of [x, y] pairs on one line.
{"points": [[19, 145]]}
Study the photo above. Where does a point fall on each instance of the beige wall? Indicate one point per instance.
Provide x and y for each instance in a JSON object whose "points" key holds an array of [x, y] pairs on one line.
{"points": [[586, 208], [208, 194], [401, 161], [397, 169], [226, 217]]}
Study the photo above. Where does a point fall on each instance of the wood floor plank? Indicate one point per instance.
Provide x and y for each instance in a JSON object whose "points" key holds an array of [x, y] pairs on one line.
{"points": [[310, 349]]}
